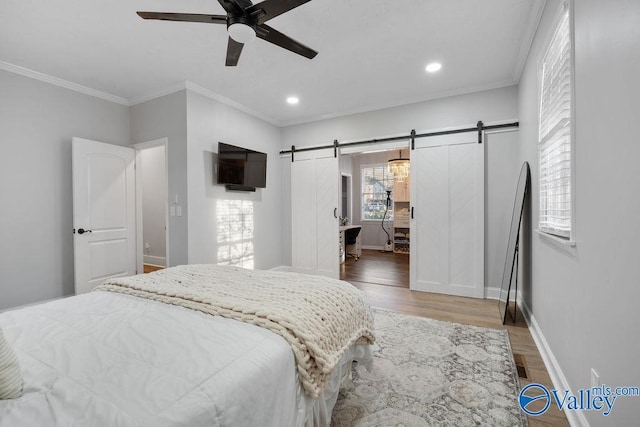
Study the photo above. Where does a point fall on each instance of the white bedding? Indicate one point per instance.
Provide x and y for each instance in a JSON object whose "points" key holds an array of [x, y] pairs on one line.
{"points": [[105, 359]]}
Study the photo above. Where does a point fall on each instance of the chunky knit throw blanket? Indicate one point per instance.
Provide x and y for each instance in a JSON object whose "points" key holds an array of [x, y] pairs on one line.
{"points": [[319, 317]]}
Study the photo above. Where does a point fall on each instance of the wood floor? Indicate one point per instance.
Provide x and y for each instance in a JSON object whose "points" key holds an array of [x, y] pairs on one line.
{"points": [[479, 312], [379, 267], [148, 268]]}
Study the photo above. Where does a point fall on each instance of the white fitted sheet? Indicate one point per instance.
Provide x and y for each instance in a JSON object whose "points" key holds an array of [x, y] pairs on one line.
{"points": [[105, 359]]}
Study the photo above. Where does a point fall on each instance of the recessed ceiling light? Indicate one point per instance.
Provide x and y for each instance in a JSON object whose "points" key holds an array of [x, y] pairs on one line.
{"points": [[293, 100], [433, 67]]}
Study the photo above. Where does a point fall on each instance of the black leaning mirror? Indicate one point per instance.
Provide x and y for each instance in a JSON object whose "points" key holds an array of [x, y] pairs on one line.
{"points": [[511, 261]]}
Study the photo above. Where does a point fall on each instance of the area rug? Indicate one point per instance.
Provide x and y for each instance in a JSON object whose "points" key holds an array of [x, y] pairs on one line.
{"points": [[432, 373]]}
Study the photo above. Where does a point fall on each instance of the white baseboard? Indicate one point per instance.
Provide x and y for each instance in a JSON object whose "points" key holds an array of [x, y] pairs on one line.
{"points": [[159, 261], [575, 418], [492, 292], [375, 248]]}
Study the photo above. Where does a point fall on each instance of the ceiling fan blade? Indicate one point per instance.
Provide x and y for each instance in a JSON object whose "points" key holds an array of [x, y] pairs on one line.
{"points": [[234, 49], [269, 9], [243, 3], [271, 35], [186, 17], [231, 6]]}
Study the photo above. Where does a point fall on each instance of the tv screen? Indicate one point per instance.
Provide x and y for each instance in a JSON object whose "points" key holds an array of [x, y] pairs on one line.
{"points": [[240, 166]]}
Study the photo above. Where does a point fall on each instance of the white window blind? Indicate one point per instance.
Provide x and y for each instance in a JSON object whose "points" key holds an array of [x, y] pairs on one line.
{"points": [[554, 146], [234, 219]]}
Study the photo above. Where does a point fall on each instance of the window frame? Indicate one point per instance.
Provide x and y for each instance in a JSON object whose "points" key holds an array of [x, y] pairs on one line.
{"points": [[386, 173], [549, 234]]}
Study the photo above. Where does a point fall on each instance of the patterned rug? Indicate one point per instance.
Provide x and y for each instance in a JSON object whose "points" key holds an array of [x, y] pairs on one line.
{"points": [[427, 372]]}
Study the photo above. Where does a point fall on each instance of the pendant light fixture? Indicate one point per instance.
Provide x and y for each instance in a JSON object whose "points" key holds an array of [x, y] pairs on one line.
{"points": [[399, 168]]}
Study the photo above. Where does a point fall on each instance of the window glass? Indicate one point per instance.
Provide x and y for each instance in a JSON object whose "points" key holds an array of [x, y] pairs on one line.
{"points": [[376, 181]]}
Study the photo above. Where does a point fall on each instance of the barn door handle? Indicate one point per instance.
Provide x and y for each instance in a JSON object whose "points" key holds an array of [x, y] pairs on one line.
{"points": [[82, 231], [335, 212], [411, 212]]}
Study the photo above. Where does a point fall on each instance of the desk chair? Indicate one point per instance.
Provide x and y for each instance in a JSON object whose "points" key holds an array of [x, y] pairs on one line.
{"points": [[350, 237]]}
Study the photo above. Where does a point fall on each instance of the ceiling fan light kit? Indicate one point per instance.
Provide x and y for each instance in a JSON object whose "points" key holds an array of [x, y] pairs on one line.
{"points": [[245, 21], [242, 33]]}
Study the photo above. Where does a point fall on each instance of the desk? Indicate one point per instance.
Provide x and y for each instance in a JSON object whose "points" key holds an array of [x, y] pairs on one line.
{"points": [[355, 249]]}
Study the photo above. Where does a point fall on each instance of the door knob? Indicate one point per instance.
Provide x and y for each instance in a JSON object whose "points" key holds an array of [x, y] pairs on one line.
{"points": [[82, 231]]}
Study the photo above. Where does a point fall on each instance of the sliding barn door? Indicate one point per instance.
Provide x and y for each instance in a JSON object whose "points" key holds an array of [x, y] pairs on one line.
{"points": [[447, 228], [315, 186]]}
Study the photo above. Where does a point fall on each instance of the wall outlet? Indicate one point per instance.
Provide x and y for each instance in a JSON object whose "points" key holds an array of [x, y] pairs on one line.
{"points": [[595, 378]]}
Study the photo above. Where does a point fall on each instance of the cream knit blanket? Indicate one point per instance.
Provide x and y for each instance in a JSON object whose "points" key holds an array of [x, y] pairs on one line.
{"points": [[319, 317]]}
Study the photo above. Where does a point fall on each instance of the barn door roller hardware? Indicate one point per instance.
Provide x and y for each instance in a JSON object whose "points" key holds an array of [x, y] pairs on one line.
{"points": [[480, 127]]}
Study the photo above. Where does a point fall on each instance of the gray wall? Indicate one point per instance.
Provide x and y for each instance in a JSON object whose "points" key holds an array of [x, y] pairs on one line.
{"points": [[210, 122], [502, 169], [585, 300], [154, 205], [464, 110], [167, 117], [37, 122]]}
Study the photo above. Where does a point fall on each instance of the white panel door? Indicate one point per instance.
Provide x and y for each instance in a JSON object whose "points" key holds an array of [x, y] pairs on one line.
{"points": [[328, 227], [103, 212], [447, 228], [429, 241], [303, 216], [315, 192]]}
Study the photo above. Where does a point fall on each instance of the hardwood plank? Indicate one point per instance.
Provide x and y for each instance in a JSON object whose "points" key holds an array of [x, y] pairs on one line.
{"points": [[385, 268], [148, 268], [384, 278]]}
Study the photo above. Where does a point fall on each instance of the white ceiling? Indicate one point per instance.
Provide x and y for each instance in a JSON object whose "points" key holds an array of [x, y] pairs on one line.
{"points": [[372, 53]]}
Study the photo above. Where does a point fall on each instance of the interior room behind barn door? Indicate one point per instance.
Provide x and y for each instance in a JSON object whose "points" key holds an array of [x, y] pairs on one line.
{"points": [[382, 256]]}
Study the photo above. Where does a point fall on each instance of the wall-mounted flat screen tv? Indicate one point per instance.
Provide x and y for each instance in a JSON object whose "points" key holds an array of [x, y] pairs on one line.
{"points": [[242, 167]]}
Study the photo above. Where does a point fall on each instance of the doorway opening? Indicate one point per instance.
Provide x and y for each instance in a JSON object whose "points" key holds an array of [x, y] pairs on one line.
{"points": [[379, 206], [151, 205]]}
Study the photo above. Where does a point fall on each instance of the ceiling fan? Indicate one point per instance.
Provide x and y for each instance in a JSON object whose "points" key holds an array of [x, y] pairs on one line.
{"points": [[245, 21]]}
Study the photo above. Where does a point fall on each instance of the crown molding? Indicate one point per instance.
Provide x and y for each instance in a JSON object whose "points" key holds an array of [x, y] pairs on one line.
{"points": [[16, 69], [404, 102], [177, 87], [184, 85], [187, 85], [530, 34], [217, 97], [207, 93]]}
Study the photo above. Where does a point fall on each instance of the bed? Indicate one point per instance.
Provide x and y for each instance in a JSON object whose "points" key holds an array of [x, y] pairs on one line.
{"points": [[192, 345]]}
